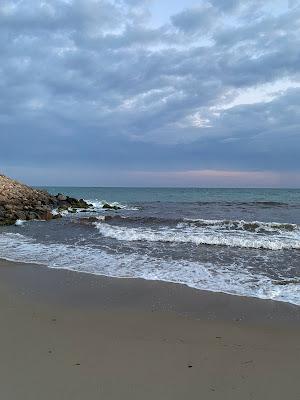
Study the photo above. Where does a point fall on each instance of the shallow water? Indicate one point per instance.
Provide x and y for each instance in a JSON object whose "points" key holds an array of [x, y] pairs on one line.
{"points": [[238, 241]]}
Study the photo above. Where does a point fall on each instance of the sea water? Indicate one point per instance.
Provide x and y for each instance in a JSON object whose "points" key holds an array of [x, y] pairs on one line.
{"points": [[237, 241]]}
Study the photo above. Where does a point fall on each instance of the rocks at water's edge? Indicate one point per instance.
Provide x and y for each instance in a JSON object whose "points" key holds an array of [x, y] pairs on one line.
{"points": [[18, 201], [111, 207], [285, 282], [70, 203]]}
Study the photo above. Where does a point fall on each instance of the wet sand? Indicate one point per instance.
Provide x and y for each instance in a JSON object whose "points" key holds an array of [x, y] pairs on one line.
{"points": [[66, 335]]}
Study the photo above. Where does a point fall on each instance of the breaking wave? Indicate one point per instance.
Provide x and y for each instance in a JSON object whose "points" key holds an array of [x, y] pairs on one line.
{"points": [[260, 235], [251, 226], [232, 279]]}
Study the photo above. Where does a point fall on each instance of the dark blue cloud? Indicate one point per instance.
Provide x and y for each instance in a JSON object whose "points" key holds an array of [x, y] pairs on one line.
{"points": [[94, 84]]}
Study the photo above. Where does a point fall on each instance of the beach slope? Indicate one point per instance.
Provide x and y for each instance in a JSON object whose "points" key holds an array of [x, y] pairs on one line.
{"points": [[66, 335]]}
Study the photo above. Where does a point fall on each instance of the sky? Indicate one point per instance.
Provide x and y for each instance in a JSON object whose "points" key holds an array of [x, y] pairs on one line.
{"points": [[150, 92]]}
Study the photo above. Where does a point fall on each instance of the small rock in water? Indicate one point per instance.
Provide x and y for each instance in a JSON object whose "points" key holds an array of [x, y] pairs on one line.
{"points": [[111, 207], [287, 282]]}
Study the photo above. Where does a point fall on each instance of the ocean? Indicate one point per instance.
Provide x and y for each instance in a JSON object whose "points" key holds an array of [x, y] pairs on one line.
{"points": [[238, 241]]}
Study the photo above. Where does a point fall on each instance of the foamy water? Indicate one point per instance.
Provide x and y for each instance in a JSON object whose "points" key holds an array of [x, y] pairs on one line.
{"points": [[212, 233], [229, 242], [231, 279]]}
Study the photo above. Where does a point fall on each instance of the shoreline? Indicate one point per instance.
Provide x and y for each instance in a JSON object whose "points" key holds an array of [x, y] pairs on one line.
{"points": [[181, 298], [201, 292], [73, 335]]}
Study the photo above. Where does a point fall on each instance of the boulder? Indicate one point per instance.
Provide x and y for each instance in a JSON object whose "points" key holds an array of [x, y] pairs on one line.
{"points": [[20, 215], [285, 282], [47, 216], [32, 215], [110, 207], [61, 197]]}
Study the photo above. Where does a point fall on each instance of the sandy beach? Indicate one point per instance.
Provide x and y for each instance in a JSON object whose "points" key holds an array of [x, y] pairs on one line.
{"points": [[66, 335]]}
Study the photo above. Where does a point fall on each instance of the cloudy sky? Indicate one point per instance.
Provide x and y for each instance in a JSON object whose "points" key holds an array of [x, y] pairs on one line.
{"points": [[150, 92]]}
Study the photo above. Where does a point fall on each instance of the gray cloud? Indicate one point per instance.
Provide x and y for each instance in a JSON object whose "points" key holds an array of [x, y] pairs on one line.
{"points": [[94, 83], [226, 5], [193, 20]]}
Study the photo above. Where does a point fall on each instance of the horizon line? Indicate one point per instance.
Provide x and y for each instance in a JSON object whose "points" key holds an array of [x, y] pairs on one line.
{"points": [[171, 187]]}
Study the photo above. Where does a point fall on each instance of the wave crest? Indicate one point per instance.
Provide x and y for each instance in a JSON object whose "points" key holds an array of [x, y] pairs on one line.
{"points": [[260, 235], [238, 225]]}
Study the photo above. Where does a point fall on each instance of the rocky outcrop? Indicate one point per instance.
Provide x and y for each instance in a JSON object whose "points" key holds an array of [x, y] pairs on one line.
{"points": [[19, 201], [111, 207]]}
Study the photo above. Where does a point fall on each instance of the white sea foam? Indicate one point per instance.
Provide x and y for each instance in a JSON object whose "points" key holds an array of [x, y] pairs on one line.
{"points": [[67, 211], [62, 212], [100, 217], [232, 279], [209, 235], [253, 226], [19, 222]]}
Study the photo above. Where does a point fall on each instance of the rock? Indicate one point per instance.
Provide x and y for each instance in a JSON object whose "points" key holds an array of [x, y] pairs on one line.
{"points": [[77, 203], [19, 201], [287, 282], [66, 203], [32, 215], [20, 215], [47, 216], [7, 221], [61, 197], [110, 207]]}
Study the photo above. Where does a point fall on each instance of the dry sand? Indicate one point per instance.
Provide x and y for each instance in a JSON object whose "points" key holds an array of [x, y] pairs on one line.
{"points": [[66, 335]]}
